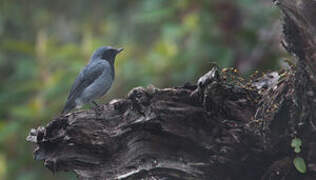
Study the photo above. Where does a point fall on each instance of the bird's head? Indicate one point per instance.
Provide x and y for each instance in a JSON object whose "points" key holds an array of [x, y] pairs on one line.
{"points": [[107, 53]]}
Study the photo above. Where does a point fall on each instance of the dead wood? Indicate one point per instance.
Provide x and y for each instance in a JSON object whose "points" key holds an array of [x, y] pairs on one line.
{"points": [[222, 128]]}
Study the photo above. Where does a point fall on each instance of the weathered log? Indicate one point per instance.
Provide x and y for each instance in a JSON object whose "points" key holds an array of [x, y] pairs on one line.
{"points": [[287, 109], [222, 128]]}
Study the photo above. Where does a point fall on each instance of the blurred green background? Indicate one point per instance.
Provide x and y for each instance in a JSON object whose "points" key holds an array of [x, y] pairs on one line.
{"points": [[45, 43]]}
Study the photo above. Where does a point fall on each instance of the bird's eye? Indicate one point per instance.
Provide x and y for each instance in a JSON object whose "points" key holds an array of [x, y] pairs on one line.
{"points": [[106, 54]]}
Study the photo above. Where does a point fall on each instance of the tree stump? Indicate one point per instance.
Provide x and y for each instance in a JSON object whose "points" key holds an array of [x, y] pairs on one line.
{"points": [[222, 128]]}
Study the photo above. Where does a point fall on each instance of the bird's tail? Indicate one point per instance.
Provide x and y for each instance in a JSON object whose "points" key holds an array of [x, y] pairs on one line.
{"points": [[68, 107]]}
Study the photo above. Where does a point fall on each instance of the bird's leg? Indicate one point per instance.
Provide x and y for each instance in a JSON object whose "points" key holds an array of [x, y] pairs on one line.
{"points": [[97, 108], [93, 102]]}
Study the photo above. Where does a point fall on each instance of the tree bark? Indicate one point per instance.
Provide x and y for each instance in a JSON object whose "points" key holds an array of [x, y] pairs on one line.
{"points": [[222, 128]]}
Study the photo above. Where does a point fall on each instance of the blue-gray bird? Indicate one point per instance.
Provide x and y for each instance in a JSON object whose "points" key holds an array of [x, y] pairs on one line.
{"points": [[94, 80]]}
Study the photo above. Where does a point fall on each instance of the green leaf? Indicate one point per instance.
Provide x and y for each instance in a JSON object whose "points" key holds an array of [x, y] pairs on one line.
{"points": [[297, 149], [296, 142], [300, 165]]}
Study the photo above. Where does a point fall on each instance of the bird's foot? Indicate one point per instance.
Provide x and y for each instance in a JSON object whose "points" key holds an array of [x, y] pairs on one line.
{"points": [[98, 109]]}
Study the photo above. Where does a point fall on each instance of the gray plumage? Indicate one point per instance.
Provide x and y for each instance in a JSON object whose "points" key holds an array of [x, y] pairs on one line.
{"points": [[94, 80]]}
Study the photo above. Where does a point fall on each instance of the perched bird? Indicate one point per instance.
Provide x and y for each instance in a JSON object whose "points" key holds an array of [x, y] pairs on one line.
{"points": [[94, 80]]}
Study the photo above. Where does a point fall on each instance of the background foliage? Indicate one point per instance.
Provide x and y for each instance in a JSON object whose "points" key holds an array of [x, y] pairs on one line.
{"points": [[44, 44]]}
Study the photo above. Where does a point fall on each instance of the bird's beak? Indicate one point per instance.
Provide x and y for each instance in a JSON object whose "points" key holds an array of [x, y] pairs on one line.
{"points": [[119, 50]]}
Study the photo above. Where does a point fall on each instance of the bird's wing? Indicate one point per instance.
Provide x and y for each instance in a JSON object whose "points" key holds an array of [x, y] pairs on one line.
{"points": [[86, 77]]}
